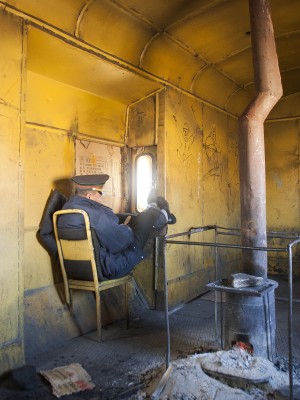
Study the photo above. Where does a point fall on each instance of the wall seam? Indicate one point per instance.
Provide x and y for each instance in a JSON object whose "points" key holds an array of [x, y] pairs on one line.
{"points": [[21, 185], [298, 161]]}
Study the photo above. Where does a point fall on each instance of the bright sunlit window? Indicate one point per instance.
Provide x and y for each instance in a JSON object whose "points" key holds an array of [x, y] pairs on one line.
{"points": [[143, 180]]}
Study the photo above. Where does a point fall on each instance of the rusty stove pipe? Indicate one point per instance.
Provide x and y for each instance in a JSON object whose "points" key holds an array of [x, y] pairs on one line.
{"points": [[251, 138]]}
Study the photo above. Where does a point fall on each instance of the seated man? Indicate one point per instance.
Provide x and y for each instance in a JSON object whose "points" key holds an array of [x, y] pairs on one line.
{"points": [[121, 245]]}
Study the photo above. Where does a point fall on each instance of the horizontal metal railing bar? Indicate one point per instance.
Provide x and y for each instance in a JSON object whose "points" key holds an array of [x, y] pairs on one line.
{"points": [[229, 246], [268, 235], [192, 231], [233, 232], [228, 233], [286, 299], [187, 276], [284, 233], [227, 229]]}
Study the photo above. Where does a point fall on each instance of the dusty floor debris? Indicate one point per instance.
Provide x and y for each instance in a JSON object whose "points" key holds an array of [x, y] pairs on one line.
{"points": [[237, 365], [128, 362], [223, 375]]}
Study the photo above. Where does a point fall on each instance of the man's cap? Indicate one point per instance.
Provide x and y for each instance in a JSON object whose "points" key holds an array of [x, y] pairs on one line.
{"points": [[90, 182]]}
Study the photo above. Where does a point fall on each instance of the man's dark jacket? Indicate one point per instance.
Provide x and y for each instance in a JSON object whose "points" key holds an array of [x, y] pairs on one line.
{"points": [[46, 232], [118, 253]]}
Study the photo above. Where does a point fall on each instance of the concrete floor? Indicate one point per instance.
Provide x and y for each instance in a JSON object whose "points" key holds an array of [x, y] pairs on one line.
{"points": [[120, 364]]}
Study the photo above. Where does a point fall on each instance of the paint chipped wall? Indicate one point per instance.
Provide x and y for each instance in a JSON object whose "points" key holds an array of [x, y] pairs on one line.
{"points": [[49, 158], [56, 114], [56, 105], [282, 175], [221, 187], [282, 171], [184, 177], [197, 172], [202, 186], [11, 182], [142, 123]]}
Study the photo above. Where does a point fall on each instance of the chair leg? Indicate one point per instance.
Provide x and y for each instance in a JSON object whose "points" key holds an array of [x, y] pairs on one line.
{"points": [[98, 315], [69, 299], [67, 294], [126, 305]]}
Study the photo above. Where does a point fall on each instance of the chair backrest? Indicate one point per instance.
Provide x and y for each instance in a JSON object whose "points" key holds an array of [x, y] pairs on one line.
{"points": [[75, 248]]}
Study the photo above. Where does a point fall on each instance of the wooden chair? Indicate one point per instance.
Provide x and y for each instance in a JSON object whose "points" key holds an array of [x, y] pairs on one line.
{"points": [[76, 251]]}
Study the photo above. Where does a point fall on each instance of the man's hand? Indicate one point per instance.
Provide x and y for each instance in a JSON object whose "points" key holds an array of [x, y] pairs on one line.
{"points": [[126, 222]]}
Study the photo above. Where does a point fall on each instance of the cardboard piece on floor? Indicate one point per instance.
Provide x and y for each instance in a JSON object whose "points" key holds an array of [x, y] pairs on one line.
{"points": [[68, 379]]}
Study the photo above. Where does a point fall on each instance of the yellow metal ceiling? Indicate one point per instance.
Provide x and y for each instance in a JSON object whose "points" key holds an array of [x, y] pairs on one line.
{"points": [[126, 49]]}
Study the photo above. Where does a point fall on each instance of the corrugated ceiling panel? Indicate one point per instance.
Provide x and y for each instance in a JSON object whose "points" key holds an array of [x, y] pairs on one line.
{"points": [[237, 102], [214, 87], [165, 59], [288, 50], [60, 13], [110, 28], [218, 32], [237, 68], [290, 81]]}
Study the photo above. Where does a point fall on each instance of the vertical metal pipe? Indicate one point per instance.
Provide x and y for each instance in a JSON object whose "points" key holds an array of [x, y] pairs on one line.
{"points": [[216, 279], [156, 262], [221, 322], [251, 137], [168, 344], [290, 320]]}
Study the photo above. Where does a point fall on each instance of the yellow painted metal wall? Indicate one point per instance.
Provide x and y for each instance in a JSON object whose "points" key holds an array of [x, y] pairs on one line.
{"points": [[49, 157], [142, 125], [56, 114], [202, 186], [282, 168], [282, 174], [11, 203], [184, 189], [54, 104]]}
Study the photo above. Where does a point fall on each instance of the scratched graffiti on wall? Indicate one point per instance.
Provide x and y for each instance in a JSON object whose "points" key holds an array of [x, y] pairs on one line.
{"points": [[233, 178], [186, 138], [187, 133], [212, 151]]}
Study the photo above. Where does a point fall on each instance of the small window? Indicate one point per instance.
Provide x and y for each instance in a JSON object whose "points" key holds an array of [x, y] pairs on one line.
{"points": [[144, 180]]}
